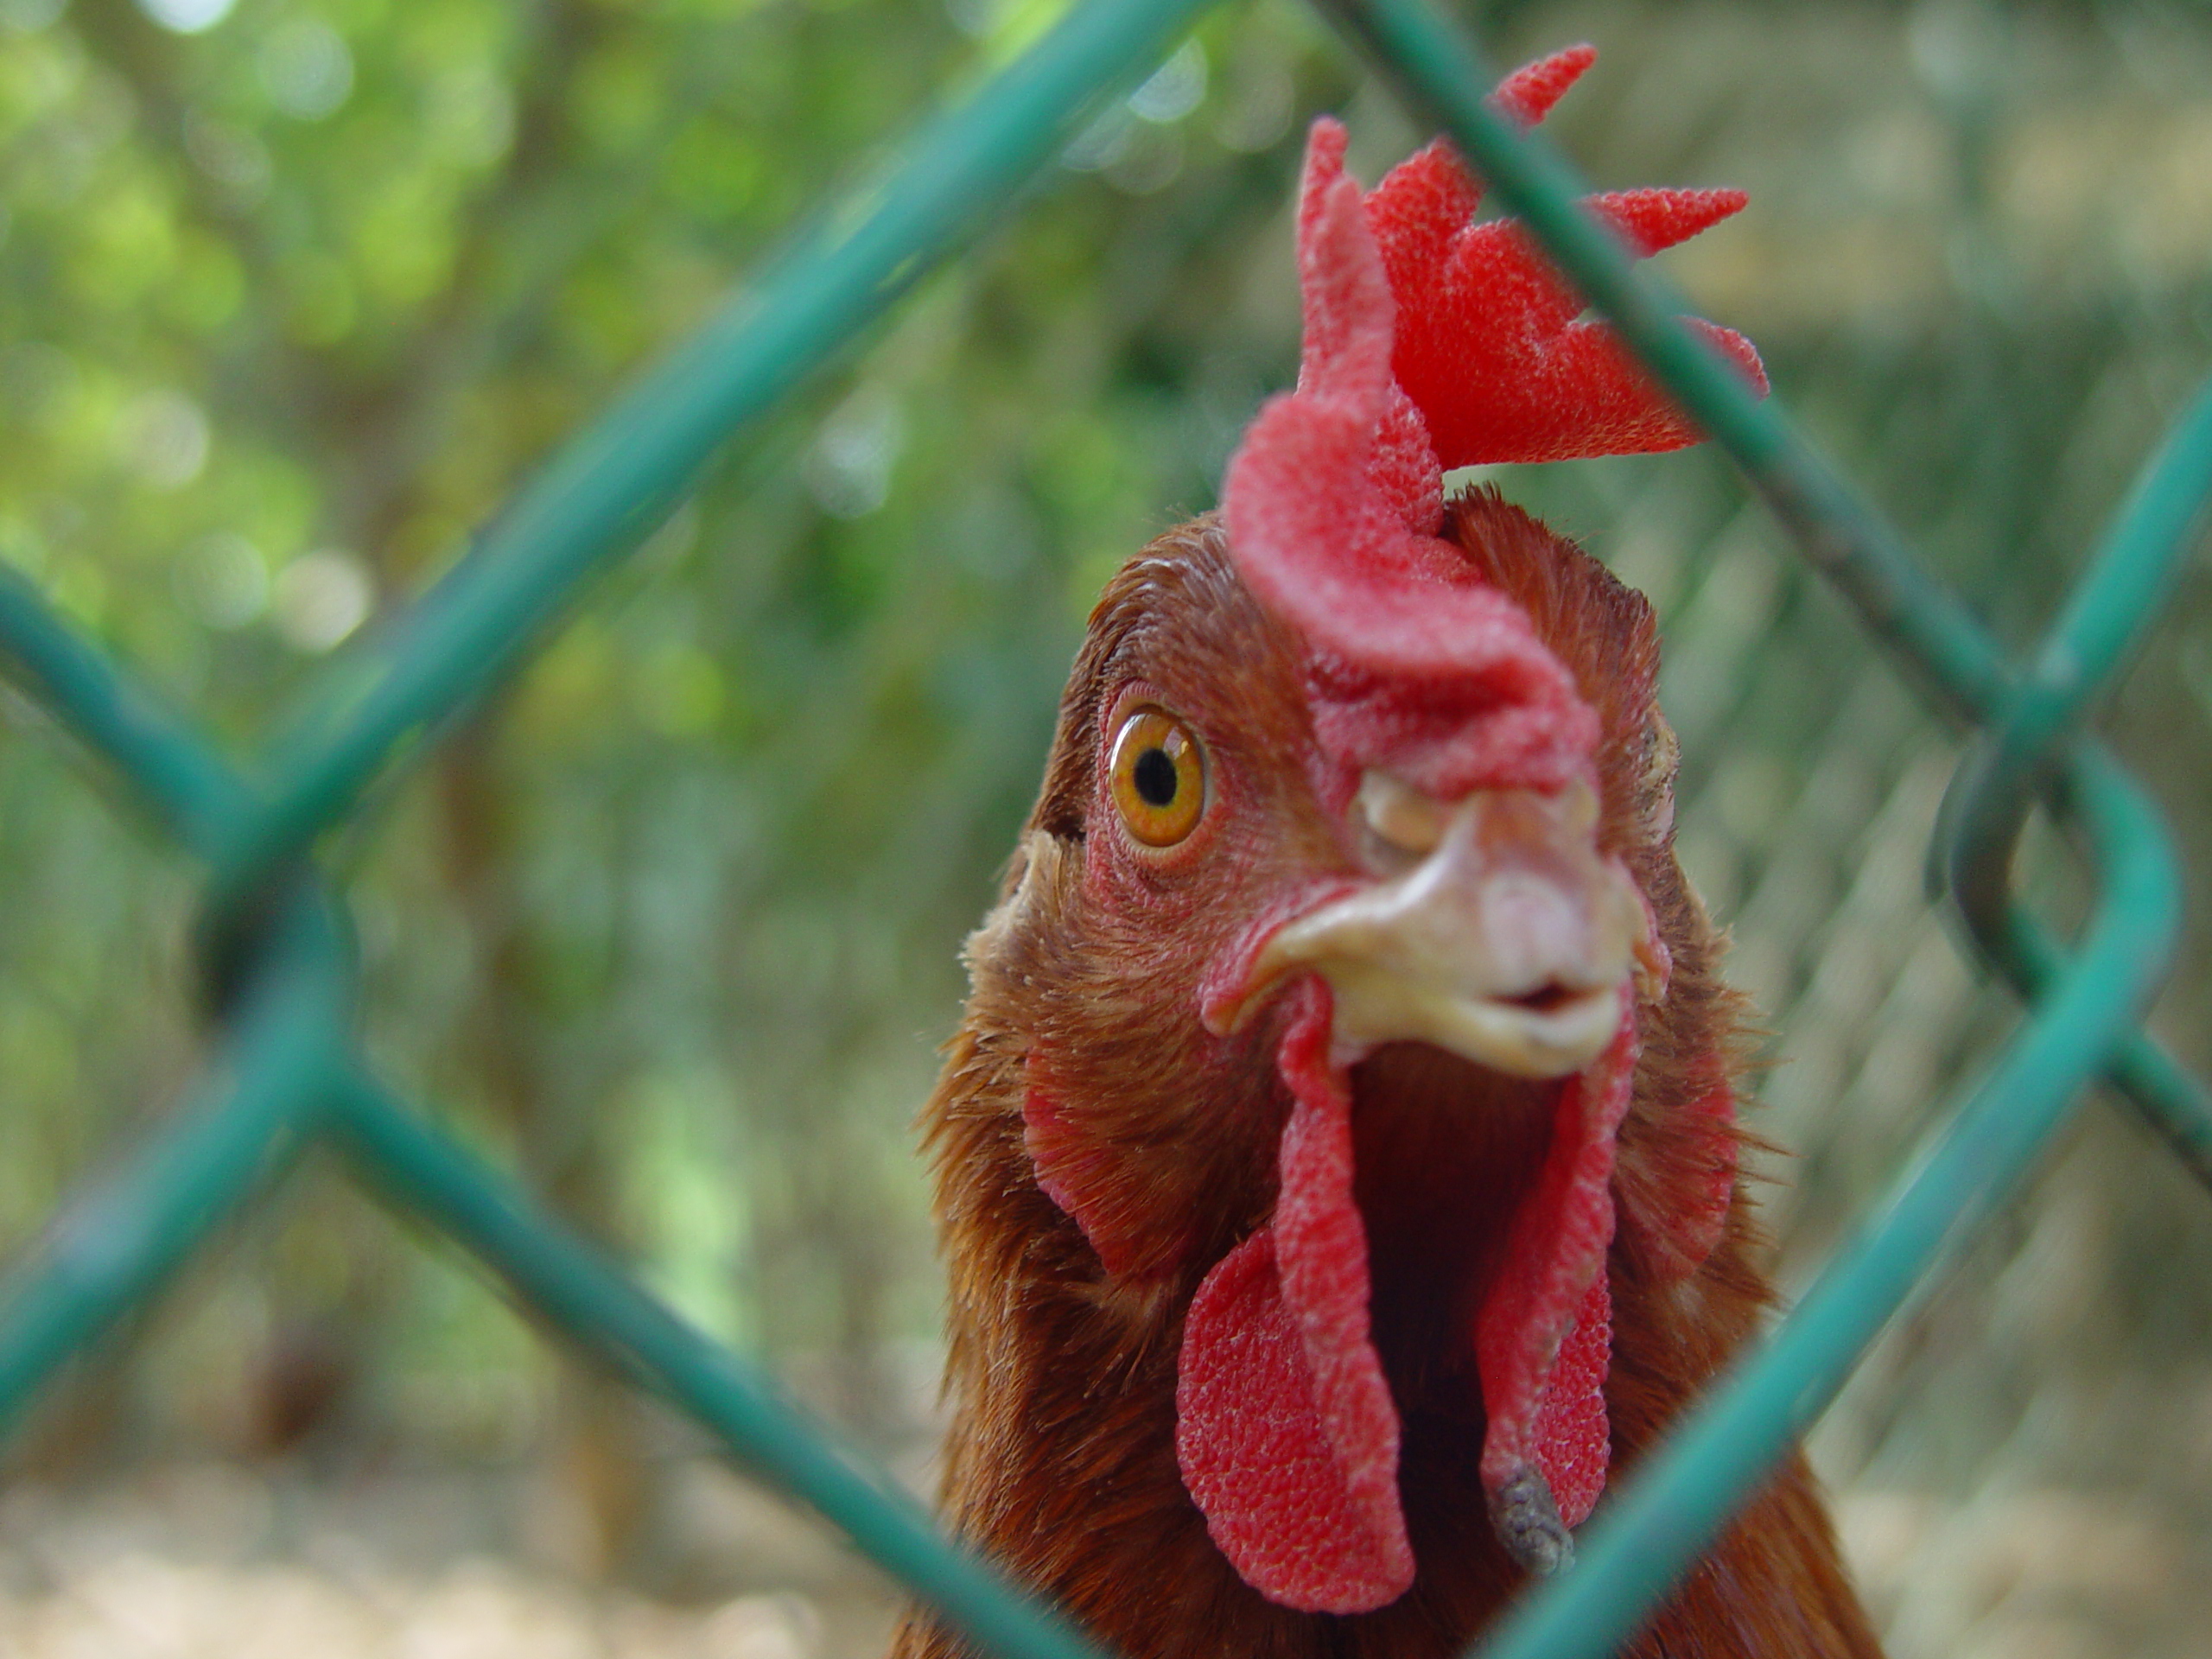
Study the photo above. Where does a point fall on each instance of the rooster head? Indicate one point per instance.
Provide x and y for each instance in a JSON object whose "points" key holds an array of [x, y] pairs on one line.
{"points": [[1340, 933]]}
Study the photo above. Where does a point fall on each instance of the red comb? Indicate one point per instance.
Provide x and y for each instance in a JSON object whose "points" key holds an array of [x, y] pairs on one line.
{"points": [[1432, 341], [1487, 346], [1530, 92]]}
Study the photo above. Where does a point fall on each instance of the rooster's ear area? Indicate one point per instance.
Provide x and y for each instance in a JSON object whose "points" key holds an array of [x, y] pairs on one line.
{"points": [[1063, 808], [1080, 1174], [1017, 867], [1028, 892]]}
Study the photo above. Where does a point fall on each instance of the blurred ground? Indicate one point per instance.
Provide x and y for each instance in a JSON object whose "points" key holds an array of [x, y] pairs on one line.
{"points": [[208, 1561]]}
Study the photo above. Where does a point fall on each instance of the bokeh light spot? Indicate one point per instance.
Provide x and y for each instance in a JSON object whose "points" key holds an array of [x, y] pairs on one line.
{"points": [[185, 16]]}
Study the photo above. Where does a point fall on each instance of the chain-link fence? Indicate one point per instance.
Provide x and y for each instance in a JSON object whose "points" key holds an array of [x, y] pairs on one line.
{"points": [[278, 959]]}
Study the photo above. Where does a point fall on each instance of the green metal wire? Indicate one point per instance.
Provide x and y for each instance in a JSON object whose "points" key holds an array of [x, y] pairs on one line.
{"points": [[175, 777], [2106, 617], [113, 1245], [615, 482], [285, 1070], [2160, 525], [587, 1297]]}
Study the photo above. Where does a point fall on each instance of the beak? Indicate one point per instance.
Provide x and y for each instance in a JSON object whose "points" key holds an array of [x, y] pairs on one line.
{"points": [[1494, 930]]}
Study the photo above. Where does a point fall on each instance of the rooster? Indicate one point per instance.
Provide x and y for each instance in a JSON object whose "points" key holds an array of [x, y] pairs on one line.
{"points": [[1336, 1166]]}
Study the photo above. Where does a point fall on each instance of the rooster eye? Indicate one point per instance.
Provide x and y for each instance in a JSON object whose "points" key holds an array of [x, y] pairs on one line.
{"points": [[1159, 778]]}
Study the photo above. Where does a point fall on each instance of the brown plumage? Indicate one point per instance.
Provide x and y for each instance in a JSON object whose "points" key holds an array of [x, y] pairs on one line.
{"points": [[1062, 1461]]}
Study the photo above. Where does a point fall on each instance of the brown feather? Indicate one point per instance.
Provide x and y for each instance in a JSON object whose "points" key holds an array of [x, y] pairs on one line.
{"points": [[1061, 1459]]}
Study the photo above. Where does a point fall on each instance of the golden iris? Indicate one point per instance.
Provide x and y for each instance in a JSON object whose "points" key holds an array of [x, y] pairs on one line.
{"points": [[1159, 778]]}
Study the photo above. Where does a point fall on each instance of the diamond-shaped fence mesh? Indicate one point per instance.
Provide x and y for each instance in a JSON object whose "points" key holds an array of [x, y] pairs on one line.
{"points": [[1834, 933]]}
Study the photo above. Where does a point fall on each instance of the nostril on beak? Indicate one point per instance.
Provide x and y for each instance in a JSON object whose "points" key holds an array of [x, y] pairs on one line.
{"points": [[1399, 816]]}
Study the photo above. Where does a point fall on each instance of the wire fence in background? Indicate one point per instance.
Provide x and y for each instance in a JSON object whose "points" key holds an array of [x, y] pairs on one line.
{"points": [[279, 963]]}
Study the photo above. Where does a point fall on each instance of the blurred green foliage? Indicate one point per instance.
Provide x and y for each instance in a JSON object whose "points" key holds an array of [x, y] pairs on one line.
{"points": [[293, 293]]}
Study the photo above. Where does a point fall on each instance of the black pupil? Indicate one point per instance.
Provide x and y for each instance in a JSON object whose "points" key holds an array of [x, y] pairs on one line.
{"points": [[1155, 777]]}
